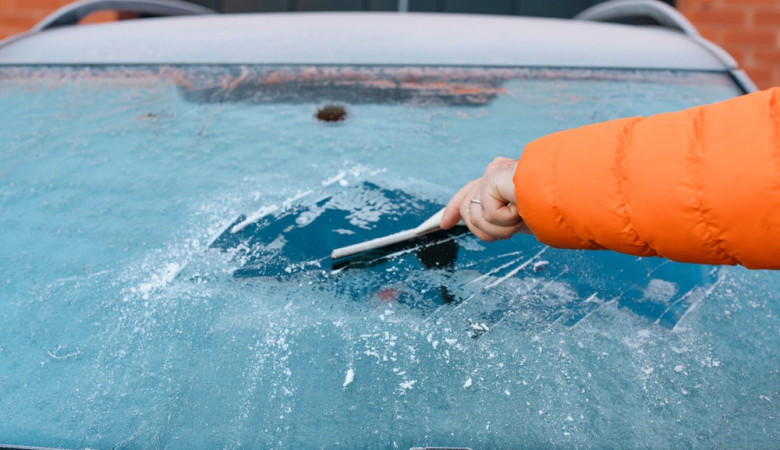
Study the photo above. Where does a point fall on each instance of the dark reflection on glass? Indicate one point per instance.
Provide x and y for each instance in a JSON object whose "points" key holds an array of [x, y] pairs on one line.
{"points": [[435, 251]]}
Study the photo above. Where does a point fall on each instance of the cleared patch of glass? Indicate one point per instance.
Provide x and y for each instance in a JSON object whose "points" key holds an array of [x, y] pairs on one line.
{"points": [[447, 269]]}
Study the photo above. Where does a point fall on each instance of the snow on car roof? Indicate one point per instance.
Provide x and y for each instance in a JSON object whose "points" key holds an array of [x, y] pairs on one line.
{"points": [[366, 38]]}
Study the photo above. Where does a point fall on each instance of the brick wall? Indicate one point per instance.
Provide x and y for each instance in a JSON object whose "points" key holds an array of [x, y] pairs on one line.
{"points": [[748, 29]]}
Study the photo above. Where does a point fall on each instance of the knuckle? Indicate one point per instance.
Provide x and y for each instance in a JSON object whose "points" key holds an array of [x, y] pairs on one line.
{"points": [[489, 215]]}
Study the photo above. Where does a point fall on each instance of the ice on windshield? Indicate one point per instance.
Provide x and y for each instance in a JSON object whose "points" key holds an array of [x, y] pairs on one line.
{"points": [[166, 278]]}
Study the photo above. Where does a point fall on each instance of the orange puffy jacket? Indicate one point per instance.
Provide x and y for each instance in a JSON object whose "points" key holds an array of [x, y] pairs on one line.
{"points": [[700, 185]]}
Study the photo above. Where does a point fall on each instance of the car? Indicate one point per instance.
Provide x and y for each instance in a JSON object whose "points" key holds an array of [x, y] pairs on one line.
{"points": [[171, 190]]}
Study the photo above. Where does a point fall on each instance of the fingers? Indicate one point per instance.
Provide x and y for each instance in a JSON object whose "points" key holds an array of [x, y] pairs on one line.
{"points": [[452, 212], [460, 207], [497, 211], [490, 230], [487, 204]]}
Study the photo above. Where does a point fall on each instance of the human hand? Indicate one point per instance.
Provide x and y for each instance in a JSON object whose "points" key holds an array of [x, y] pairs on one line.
{"points": [[488, 204]]}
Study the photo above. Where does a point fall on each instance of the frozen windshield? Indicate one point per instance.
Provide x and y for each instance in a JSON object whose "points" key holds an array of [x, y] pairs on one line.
{"points": [[165, 277]]}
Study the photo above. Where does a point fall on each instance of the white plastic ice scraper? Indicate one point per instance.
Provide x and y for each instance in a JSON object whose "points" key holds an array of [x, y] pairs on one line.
{"points": [[430, 225]]}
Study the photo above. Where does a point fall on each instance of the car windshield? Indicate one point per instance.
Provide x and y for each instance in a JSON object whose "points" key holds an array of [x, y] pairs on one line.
{"points": [[166, 281]]}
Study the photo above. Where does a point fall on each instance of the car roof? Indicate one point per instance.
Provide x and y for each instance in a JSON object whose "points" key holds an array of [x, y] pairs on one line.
{"points": [[367, 38]]}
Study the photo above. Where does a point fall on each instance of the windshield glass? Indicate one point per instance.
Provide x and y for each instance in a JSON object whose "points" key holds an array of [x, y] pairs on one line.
{"points": [[165, 276]]}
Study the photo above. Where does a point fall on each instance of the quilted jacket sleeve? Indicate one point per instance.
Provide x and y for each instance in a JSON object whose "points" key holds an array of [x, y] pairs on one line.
{"points": [[700, 185]]}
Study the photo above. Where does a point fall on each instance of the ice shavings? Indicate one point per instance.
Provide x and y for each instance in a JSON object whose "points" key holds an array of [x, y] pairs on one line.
{"points": [[406, 385], [508, 275], [434, 343], [307, 217], [517, 269], [339, 178], [160, 279], [254, 217], [540, 265], [221, 230], [269, 209], [660, 291], [269, 356], [349, 377], [277, 243], [495, 270], [357, 172], [366, 206], [314, 264]]}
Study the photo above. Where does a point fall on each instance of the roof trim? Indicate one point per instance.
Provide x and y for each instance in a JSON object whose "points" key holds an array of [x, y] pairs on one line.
{"points": [[364, 38], [72, 13]]}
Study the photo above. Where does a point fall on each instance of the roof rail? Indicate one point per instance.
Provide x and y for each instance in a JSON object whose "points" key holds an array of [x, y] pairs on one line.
{"points": [[658, 11], [71, 14], [666, 16]]}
